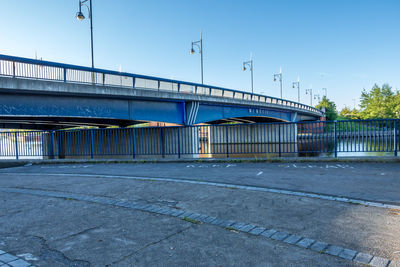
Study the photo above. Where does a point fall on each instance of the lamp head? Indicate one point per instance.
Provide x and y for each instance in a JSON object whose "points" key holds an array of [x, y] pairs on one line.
{"points": [[192, 51], [274, 79], [80, 16], [244, 68]]}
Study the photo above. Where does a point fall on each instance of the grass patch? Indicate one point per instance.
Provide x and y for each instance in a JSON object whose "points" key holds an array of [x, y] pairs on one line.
{"points": [[354, 203], [190, 220], [231, 187], [229, 228]]}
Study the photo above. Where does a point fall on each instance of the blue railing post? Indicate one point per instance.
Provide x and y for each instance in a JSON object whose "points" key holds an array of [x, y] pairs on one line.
{"points": [[335, 139], [16, 146], [179, 142], [91, 144], [395, 138], [65, 75], [133, 143], [279, 138], [227, 141], [53, 148], [13, 68]]}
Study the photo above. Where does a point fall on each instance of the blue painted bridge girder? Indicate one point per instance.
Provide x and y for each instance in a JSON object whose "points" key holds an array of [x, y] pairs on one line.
{"points": [[63, 105]]}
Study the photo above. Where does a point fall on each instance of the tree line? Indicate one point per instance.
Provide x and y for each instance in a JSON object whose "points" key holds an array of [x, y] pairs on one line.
{"points": [[378, 103]]}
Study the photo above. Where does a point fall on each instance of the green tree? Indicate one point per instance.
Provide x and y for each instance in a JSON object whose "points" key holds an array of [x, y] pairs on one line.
{"points": [[379, 103], [349, 114], [330, 108]]}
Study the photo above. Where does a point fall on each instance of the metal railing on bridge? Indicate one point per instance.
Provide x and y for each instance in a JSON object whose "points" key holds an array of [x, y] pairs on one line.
{"points": [[44, 70], [334, 139]]}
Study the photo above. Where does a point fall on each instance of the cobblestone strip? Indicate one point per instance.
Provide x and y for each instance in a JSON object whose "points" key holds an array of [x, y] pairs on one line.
{"points": [[291, 239], [231, 186], [6, 260]]}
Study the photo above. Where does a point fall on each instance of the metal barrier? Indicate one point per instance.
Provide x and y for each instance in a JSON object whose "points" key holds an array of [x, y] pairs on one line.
{"points": [[18, 67], [341, 138]]}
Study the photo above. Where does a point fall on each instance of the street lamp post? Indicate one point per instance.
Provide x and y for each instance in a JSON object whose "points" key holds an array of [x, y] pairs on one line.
{"points": [[297, 85], [81, 17], [199, 45], [250, 65], [316, 96], [326, 92], [309, 91], [279, 76]]}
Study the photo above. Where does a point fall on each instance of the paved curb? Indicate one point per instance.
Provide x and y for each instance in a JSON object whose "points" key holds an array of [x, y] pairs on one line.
{"points": [[383, 159], [279, 236]]}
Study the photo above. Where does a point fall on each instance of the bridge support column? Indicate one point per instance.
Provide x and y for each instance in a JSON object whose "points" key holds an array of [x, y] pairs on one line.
{"points": [[249, 140]]}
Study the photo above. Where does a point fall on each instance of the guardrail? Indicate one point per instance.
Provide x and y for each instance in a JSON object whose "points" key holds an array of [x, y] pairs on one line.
{"points": [[322, 138], [18, 67]]}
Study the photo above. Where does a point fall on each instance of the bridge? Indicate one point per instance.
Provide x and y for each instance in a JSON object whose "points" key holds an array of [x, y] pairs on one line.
{"points": [[43, 95]]}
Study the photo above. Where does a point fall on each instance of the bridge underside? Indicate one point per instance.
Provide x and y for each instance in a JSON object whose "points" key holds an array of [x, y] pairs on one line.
{"points": [[56, 110]]}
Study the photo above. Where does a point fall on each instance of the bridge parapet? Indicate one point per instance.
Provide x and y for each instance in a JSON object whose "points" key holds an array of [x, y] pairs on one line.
{"points": [[18, 67]]}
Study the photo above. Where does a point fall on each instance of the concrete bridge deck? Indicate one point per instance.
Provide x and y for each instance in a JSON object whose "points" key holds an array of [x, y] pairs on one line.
{"points": [[43, 95]]}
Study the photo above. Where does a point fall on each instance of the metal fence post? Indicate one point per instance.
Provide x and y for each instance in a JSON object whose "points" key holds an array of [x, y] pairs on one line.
{"points": [[13, 68], [395, 138], [53, 149], [133, 143], [227, 141], [91, 144], [279, 136], [179, 143], [335, 140], [16, 145], [65, 75]]}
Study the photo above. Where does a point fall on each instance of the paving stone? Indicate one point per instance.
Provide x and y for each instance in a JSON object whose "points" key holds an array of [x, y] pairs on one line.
{"points": [[202, 218], [379, 262], [279, 236], [363, 258], [247, 228], [168, 211], [333, 250], [176, 213], [257, 230], [394, 264], [305, 242], [194, 216], [268, 233], [2, 252], [348, 254], [209, 219], [226, 223], [164, 211], [319, 246], [292, 239], [7, 258], [19, 263]]}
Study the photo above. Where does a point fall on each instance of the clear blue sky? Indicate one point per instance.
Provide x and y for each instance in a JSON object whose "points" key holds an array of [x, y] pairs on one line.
{"points": [[343, 45]]}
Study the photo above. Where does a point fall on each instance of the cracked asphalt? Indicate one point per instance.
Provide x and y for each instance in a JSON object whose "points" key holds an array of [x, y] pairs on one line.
{"points": [[49, 231]]}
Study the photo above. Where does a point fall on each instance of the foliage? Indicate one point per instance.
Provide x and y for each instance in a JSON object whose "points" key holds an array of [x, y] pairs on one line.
{"points": [[349, 114], [330, 108], [380, 103]]}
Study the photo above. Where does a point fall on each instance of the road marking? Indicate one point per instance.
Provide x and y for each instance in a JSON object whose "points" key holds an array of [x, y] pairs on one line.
{"points": [[258, 174], [226, 185]]}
